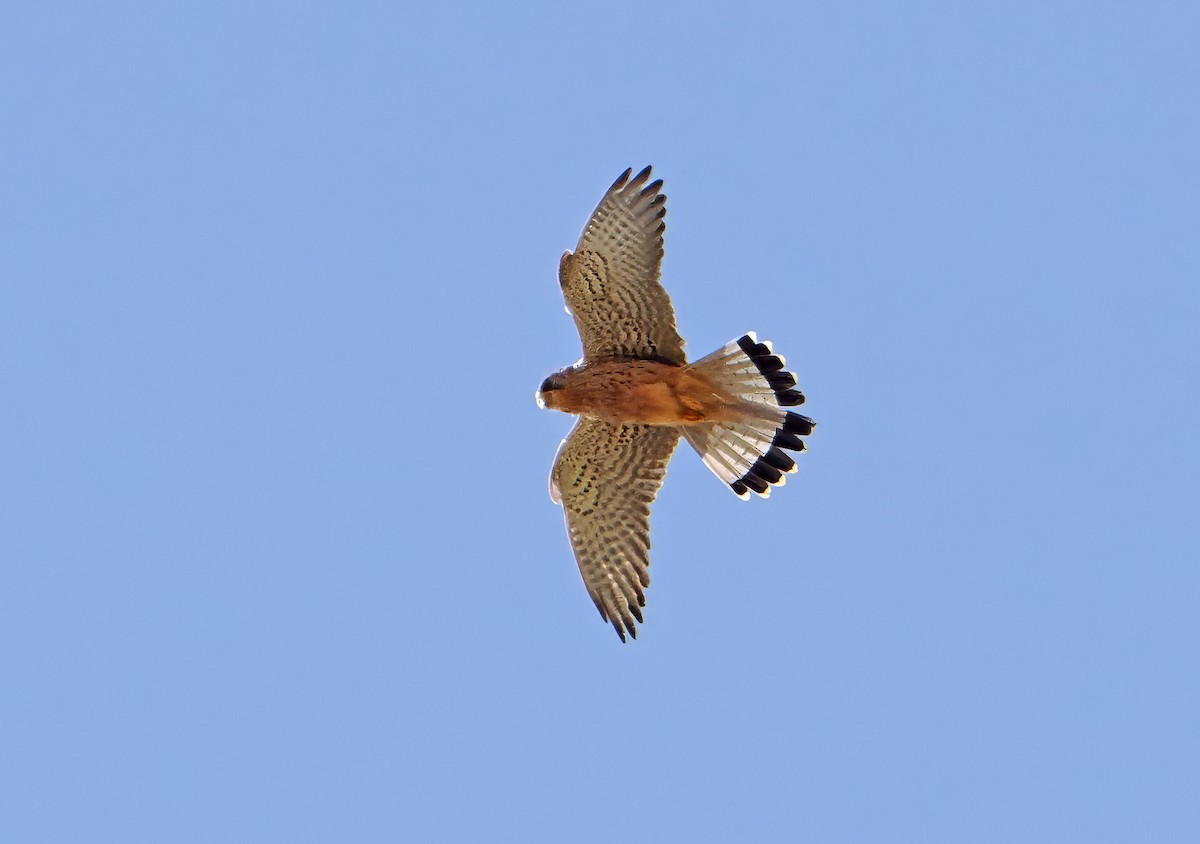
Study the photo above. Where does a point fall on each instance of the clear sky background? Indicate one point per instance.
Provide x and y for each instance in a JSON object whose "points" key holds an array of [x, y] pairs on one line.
{"points": [[277, 284]]}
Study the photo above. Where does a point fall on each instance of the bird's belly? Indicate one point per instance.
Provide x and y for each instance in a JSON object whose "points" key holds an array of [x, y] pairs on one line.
{"points": [[647, 404], [649, 395]]}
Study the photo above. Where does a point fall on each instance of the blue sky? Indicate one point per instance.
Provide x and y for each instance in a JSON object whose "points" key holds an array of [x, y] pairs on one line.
{"points": [[277, 284]]}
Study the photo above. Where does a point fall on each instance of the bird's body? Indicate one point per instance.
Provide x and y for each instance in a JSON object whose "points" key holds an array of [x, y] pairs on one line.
{"points": [[636, 394], [644, 392]]}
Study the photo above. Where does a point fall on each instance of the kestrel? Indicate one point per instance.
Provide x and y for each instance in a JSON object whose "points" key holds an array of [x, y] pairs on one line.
{"points": [[636, 394]]}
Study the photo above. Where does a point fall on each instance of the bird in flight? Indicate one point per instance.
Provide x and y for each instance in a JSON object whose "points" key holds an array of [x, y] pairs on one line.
{"points": [[635, 395]]}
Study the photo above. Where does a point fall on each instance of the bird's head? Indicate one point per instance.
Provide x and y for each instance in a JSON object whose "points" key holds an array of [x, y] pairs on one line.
{"points": [[547, 398]]}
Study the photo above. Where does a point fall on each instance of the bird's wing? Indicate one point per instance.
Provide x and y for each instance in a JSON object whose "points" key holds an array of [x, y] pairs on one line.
{"points": [[605, 477], [611, 280]]}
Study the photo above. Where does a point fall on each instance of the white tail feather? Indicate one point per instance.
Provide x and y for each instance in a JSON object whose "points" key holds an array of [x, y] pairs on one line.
{"points": [[748, 455]]}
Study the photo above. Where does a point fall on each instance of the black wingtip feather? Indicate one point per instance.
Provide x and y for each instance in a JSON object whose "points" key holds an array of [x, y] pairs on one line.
{"points": [[619, 628], [639, 180]]}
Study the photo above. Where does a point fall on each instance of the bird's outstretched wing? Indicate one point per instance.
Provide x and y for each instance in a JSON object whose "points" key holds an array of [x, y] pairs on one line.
{"points": [[611, 280], [605, 477]]}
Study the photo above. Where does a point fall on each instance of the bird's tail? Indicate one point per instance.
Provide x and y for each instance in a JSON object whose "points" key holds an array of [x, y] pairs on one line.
{"points": [[749, 454]]}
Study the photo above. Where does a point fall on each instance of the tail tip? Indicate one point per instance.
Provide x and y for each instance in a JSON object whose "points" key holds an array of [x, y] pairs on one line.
{"points": [[775, 464], [771, 366]]}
